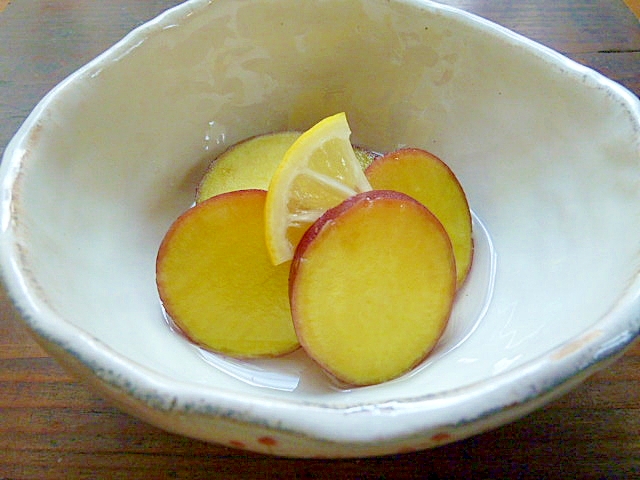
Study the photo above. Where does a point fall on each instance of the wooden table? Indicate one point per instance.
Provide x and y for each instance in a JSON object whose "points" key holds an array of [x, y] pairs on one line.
{"points": [[51, 426]]}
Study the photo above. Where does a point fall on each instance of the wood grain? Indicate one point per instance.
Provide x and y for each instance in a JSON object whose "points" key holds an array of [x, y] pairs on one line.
{"points": [[52, 426]]}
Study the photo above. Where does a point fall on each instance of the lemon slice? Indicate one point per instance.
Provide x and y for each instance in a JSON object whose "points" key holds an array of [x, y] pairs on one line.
{"points": [[318, 172]]}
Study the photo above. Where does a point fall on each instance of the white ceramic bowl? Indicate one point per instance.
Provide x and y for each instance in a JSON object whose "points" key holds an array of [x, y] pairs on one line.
{"points": [[548, 152]]}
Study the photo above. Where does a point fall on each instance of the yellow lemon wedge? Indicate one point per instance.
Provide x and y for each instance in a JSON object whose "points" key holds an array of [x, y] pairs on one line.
{"points": [[318, 172]]}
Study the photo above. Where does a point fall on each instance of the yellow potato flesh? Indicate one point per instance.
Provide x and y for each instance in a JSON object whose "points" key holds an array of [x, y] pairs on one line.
{"points": [[372, 287], [246, 165], [217, 283], [426, 178]]}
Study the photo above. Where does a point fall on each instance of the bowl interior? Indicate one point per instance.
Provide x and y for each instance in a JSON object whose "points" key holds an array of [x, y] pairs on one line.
{"points": [[546, 151]]}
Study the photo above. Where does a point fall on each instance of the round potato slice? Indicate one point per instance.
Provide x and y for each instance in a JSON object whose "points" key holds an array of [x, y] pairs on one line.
{"points": [[429, 180], [248, 164], [371, 287], [217, 283]]}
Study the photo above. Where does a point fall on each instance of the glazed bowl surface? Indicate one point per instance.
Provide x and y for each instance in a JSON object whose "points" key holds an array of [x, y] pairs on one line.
{"points": [[547, 151]]}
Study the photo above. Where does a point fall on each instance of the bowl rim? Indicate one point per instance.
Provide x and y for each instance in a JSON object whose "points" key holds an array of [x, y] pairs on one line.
{"points": [[519, 389]]}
